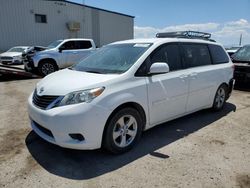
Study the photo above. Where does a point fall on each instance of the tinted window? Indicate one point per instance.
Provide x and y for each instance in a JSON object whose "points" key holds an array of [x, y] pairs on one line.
{"points": [[83, 44], [196, 55], [218, 54], [242, 54], [39, 18], [70, 45], [169, 54]]}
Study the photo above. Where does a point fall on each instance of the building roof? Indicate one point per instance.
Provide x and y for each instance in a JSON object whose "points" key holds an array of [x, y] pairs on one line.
{"points": [[94, 8]]}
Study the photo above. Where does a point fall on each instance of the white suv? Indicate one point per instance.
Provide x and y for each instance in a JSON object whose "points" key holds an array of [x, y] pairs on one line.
{"points": [[59, 54], [110, 97]]}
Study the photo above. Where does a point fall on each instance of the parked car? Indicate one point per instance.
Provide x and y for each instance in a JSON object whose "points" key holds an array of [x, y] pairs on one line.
{"points": [[232, 50], [13, 55], [59, 54], [241, 60], [126, 87]]}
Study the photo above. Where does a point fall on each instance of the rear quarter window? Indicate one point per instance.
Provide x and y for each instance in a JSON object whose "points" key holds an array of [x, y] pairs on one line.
{"points": [[218, 54], [83, 44]]}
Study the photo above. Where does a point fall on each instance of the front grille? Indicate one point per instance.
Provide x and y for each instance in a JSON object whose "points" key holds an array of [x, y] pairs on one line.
{"points": [[43, 101], [6, 58], [44, 130]]}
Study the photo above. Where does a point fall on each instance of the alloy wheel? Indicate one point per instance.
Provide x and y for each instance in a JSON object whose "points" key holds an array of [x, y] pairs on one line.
{"points": [[47, 68], [125, 131], [220, 97]]}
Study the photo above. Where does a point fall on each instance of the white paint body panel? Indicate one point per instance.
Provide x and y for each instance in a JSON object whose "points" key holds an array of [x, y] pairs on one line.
{"points": [[163, 97], [65, 58]]}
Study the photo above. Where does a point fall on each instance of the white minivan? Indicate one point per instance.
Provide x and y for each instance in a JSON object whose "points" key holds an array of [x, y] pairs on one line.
{"points": [[126, 87]]}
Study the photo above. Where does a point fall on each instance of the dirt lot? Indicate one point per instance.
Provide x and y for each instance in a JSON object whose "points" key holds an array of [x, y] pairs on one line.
{"points": [[204, 149]]}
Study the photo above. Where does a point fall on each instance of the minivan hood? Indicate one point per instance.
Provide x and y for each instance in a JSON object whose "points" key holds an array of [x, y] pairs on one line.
{"points": [[66, 81]]}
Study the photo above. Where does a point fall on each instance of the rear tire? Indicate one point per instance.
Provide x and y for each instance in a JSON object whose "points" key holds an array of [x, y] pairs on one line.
{"points": [[123, 131], [220, 98], [46, 67]]}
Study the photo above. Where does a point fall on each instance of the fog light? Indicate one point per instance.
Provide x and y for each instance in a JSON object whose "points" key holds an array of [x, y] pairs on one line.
{"points": [[78, 137]]}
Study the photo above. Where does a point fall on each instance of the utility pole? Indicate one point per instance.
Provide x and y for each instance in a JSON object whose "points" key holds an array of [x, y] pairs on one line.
{"points": [[240, 39]]}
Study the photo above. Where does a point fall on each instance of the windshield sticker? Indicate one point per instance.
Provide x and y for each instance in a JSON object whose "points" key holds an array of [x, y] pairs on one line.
{"points": [[142, 45]]}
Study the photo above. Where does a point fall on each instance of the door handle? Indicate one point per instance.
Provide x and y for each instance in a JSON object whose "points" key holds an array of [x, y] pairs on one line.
{"points": [[183, 76], [193, 74]]}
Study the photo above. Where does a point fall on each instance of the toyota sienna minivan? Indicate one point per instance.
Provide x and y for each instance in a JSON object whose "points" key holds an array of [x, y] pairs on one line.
{"points": [[126, 87]]}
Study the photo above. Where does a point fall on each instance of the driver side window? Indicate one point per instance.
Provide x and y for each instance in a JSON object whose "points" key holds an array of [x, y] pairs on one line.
{"points": [[167, 53], [70, 45]]}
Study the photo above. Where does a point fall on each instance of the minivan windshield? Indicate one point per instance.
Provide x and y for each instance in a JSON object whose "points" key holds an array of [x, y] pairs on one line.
{"points": [[112, 59], [54, 44], [242, 54]]}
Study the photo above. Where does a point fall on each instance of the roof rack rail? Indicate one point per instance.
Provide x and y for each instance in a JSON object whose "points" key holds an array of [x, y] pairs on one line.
{"points": [[186, 34]]}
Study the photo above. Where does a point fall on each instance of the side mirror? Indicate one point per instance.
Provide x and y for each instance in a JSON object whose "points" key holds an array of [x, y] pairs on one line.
{"points": [[61, 48], [159, 68]]}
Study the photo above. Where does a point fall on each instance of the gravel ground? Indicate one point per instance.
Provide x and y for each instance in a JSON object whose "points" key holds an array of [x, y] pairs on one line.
{"points": [[205, 149]]}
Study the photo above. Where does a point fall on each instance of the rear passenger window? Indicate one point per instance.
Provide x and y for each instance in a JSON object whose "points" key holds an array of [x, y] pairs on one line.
{"points": [[218, 54], [83, 44], [196, 55], [169, 54]]}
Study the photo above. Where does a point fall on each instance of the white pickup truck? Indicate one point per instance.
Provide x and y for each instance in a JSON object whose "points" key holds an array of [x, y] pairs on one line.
{"points": [[59, 54]]}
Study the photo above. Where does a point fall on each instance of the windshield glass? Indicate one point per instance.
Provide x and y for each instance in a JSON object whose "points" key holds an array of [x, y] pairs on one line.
{"points": [[54, 44], [16, 49], [116, 58], [242, 54]]}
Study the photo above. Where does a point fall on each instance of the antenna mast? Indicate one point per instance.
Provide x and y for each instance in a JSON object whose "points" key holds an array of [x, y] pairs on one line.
{"points": [[240, 39]]}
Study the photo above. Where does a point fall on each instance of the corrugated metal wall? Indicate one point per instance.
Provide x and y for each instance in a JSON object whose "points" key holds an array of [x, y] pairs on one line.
{"points": [[18, 26], [96, 26]]}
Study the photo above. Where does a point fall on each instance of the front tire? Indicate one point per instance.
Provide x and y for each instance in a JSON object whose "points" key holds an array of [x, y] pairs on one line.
{"points": [[220, 98], [123, 131], [46, 67]]}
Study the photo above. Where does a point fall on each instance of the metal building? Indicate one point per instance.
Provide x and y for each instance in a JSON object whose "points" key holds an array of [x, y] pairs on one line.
{"points": [[40, 22]]}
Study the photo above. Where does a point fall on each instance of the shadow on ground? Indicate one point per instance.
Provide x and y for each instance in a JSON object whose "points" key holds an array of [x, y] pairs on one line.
{"points": [[74, 164]]}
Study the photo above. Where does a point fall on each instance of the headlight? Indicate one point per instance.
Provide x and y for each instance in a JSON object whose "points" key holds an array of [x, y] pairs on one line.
{"points": [[81, 96]]}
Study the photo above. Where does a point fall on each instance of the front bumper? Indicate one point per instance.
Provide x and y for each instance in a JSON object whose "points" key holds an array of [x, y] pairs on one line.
{"points": [[29, 65], [11, 62], [56, 124]]}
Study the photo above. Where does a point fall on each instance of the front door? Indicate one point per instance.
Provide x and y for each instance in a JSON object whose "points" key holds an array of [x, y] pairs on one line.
{"points": [[167, 93], [69, 54]]}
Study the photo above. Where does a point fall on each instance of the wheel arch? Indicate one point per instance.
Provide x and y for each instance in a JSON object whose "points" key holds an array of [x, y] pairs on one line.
{"points": [[227, 86], [50, 60], [133, 105]]}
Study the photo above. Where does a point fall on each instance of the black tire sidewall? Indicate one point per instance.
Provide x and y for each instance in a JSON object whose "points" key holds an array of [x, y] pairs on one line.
{"points": [[108, 134]]}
